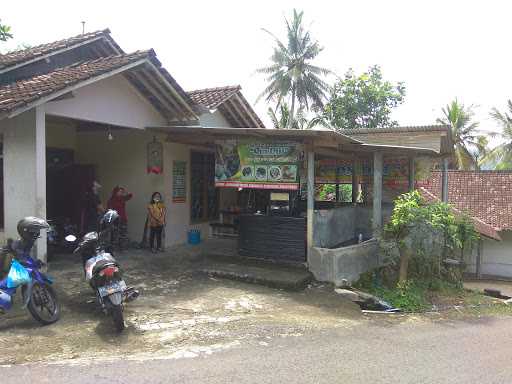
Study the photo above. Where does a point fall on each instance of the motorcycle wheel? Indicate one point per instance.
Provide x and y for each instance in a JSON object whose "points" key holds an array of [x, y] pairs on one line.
{"points": [[117, 315], [43, 304]]}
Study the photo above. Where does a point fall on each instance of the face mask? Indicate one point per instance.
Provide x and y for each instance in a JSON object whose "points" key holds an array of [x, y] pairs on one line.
{"points": [[156, 200]]}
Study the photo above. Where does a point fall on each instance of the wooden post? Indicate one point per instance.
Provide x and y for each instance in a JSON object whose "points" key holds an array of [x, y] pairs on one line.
{"points": [[311, 200], [479, 251], [377, 193], [412, 171], [355, 181], [444, 181]]}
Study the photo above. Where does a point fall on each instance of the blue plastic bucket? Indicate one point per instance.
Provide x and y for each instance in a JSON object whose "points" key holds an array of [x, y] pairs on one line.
{"points": [[194, 236]]}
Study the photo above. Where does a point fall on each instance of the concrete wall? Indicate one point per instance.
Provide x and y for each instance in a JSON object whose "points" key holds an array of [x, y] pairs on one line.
{"points": [[346, 263], [334, 226], [110, 101], [215, 119], [496, 257], [24, 170], [123, 161], [60, 135]]}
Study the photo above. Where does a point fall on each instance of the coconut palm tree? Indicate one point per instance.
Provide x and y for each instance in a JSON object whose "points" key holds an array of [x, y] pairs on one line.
{"points": [[501, 156], [465, 135], [281, 116], [291, 74]]}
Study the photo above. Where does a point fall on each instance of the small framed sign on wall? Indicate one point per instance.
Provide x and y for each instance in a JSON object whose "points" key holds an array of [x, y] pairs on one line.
{"points": [[179, 181]]}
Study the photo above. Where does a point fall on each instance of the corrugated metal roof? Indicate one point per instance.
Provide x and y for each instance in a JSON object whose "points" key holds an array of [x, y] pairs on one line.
{"points": [[417, 128]]}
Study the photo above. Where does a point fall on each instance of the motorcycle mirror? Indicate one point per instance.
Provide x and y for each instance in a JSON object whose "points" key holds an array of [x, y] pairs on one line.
{"points": [[70, 238]]}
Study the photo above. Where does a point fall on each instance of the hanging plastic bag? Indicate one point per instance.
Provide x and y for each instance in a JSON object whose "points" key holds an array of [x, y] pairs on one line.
{"points": [[18, 275]]}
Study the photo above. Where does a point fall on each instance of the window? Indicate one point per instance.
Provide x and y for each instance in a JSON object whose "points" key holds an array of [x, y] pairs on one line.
{"points": [[204, 195]]}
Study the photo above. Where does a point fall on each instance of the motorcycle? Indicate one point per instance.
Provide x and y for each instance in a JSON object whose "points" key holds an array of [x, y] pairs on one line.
{"points": [[39, 297], [102, 271]]}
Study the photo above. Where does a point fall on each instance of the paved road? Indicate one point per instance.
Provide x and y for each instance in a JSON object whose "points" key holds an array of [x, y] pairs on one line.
{"points": [[476, 351]]}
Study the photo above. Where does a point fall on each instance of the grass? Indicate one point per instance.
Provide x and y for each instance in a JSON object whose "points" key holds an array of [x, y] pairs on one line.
{"points": [[422, 296]]}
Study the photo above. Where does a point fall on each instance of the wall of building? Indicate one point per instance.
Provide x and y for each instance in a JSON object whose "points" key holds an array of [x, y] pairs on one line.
{"points": [[61, 135], [111, 101], [346, 264], [215, 119], [334, 226], [496, 257], [24, 171], [123, 161]]}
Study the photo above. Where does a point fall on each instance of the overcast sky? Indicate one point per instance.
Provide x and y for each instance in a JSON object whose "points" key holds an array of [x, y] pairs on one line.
{"points": [[440, 49]]}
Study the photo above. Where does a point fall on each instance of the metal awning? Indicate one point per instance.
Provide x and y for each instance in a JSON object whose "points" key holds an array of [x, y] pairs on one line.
{"points": [[325, 141]]}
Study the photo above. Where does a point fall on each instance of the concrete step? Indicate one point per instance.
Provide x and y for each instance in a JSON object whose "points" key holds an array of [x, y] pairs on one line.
{"points": [[267, 274]]}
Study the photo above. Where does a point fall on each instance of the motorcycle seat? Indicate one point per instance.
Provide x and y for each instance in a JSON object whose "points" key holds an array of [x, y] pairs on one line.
{"points": [[102, 264]]}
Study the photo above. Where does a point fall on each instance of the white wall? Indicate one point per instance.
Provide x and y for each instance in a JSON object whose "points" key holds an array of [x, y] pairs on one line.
{"points": [[123, 161], [496, 257], [215, 119], [61, 135], [111, 101], [24, 171]]}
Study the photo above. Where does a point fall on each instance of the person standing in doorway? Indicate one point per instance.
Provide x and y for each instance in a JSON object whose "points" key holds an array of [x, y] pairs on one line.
{"points": [[156, 221], [117, 202], [92, 208]]}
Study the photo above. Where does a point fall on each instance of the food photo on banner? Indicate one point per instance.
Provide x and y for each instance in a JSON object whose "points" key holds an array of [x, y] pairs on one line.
{"points": [[257, 164], [395, 171]]}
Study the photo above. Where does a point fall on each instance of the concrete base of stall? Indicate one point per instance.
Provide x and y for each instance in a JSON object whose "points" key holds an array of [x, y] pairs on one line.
{"points": [[343, 265]]}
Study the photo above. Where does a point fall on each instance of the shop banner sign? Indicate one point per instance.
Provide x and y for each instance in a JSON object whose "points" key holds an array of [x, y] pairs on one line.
{"points": [[179, 169], [257, 164], [395, 171]]}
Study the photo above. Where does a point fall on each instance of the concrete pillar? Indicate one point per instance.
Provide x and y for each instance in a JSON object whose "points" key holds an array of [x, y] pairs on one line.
{"points": [[377, 193], [311, 200], [444, 181], [355, 181], [24, 144], [412, 172], [479, 255]]}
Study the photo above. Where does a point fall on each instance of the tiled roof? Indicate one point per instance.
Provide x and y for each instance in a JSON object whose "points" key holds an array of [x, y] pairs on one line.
{"points": [[486, 195], [20, 56], [211, 98], [240, 114], [480, 226], [17, 95]]}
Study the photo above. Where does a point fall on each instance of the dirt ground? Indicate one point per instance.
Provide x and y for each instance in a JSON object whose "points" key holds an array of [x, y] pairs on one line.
{"points": [[180, 313], [178, 309]]}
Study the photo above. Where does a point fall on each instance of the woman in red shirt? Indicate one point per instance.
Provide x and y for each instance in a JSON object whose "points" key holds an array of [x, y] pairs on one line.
{"points": [[118, 202]]}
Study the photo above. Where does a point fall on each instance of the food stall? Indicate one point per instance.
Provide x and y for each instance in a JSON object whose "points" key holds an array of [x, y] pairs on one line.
{"points": [[266, 175]]}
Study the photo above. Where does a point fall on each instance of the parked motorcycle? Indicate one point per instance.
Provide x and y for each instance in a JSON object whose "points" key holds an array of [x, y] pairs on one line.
{"points": [[38, 295], [102, 271]]}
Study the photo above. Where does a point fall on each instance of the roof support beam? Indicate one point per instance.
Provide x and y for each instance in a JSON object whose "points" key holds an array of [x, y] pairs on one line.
{"points": [[179, 112], [224, 109], [169, 112], [192, 114], [247, 123], [248, 113]]}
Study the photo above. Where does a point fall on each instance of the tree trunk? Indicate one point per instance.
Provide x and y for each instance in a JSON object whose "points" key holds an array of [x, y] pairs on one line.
{"points": [[404, 263], [291, 116]]}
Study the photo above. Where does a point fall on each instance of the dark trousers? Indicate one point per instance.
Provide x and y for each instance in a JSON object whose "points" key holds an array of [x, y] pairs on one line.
{"points": [[155, 233]]}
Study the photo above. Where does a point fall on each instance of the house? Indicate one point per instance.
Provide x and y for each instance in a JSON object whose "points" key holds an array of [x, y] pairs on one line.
{"points": [[82, 109], [486, 196], [77, 109]]}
